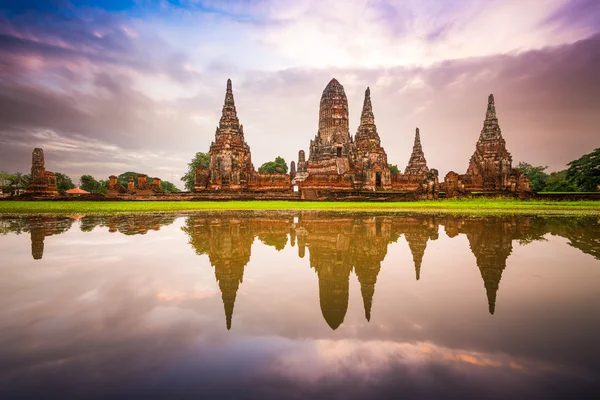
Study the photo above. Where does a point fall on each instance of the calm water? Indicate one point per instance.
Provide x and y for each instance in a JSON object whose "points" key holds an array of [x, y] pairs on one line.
{"points": [[299, 305]]}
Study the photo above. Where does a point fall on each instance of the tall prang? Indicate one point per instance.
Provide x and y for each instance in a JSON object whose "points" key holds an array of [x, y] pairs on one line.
{"points": [[417, 165], [370, 160], [490, 168], [43, 183], [332, 146], [491, 157], [230, 158]]}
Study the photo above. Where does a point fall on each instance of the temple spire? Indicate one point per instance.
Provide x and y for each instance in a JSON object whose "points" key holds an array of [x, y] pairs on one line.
{"points": [[417, 165], [491, 108], [367, 290], [417, 144], [367, 117], [229, 116]]}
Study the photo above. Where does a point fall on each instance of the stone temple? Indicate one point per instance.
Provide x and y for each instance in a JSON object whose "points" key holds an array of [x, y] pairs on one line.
{"points": [[490, 168], [339, 165], [43, 183], [356, 165], [231, 167], [339, 162]]}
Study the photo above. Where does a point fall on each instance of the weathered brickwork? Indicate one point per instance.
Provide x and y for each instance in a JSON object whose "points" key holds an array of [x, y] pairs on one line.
{"points": [[43, 183], [231, 167], [490, 168]]}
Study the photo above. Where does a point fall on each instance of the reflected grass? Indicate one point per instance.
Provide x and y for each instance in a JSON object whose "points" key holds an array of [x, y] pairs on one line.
{"points": [[463, 206]]}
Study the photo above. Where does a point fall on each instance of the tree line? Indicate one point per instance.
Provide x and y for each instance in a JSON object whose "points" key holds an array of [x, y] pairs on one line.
{"points": [[582, 175], [18, 182]]}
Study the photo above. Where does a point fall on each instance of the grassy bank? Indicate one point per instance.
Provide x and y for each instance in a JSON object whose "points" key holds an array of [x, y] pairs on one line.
{"points": [[486, 206]]}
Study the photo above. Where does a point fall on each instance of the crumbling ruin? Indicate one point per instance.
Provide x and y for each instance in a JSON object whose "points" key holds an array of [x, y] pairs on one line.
{"points": [[490, 168], [43, 183]]}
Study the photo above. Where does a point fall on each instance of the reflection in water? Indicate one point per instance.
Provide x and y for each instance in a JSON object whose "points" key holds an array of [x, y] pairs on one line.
{"points": [[104, 313], [338, 244]]}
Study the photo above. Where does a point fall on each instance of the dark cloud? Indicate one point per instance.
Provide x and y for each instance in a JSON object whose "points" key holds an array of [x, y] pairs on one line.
{"points": [[581, 14]]}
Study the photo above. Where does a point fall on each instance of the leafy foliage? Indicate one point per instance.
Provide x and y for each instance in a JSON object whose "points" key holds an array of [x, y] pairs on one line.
{"points": [[394, 169], [585, 171], [90, 184], [199, 159], [279, 166], [558, 182], [63, 182], [537, 176], [168, 187]]}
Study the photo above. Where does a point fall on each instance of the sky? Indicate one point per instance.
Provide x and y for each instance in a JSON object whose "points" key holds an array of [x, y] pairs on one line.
{"points": [[106, 87]]}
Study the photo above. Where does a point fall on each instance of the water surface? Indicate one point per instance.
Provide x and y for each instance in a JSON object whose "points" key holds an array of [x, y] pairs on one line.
{"points": [[299, 305]]}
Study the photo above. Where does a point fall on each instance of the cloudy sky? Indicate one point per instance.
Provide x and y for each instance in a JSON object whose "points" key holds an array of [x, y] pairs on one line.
{"points": [[133, 85]]}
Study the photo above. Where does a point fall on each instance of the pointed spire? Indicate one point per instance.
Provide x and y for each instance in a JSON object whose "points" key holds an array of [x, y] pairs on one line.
{"points": [[417, 164], [417, 268], [491, 108], [367, 117], [229, 116], [417, 145], [491, 295], [367, 290]]}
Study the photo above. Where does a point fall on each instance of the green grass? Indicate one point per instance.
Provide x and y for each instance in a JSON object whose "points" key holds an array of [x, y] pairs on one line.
{"points": [[485, 206]]}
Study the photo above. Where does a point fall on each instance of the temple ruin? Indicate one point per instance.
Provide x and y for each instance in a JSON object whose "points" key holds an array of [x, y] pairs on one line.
{"points": [[339, 165], [43, 183], [490, 168], [231, 167]]}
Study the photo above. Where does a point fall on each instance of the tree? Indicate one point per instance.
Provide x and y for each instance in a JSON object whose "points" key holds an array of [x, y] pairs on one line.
{"points": [[19, 181], [199, 159], [168, 187], [279, 165], [537, 176], [63, 182], [585, 171], [394, 169], [558, 182], [90, 184], [123, 179]]}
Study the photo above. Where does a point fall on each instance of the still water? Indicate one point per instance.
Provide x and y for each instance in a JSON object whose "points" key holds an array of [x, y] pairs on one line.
{"points": [[299, 305]]}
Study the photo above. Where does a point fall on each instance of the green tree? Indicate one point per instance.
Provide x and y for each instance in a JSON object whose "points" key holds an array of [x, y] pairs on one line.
{"points": [[168, 187], [537, 176], [123, 179], [63, 182], [394, 169], [199, 159], [558, 182], [279, 165], [90, 184], [19, 181], [585, 171]]}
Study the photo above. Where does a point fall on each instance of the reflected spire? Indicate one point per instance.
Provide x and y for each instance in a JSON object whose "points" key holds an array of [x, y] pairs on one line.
{"points": [[227, 242], [37, 242], [491, 243]]}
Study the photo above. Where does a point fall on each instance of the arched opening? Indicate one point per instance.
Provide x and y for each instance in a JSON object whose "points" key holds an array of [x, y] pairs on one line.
{"points": [[339, 151], [378, 179]]}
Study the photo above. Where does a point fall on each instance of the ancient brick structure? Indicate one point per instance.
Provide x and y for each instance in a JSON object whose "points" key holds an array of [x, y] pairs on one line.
{"points": [[490, 168], [43, 183], [354, 166], [338, 162], [231, 167], [230, 158], [114, 187], [417, 165], [332, 146], [370, 160]]}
